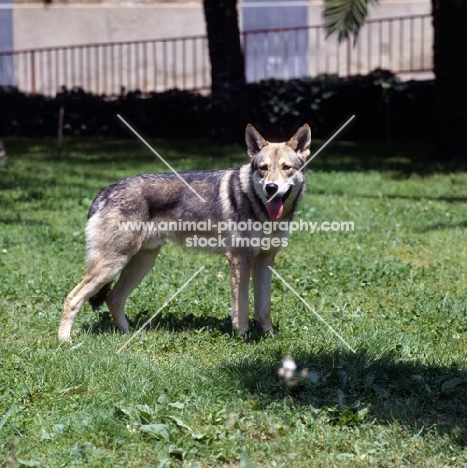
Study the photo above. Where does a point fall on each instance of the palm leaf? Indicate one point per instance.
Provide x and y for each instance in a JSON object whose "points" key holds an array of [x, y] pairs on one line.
{"points": [[345, 17]]}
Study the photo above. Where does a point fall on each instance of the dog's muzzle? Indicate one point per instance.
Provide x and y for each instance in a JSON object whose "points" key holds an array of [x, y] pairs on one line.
{"points": [[276, 202], [271, 189]]}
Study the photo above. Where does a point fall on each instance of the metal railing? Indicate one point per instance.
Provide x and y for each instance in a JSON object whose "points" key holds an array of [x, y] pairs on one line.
{"points": [[110, 68], [400, 44]]}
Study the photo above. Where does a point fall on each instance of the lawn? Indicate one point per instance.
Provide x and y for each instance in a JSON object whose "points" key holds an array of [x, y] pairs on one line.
{"points": [[186, 392]]}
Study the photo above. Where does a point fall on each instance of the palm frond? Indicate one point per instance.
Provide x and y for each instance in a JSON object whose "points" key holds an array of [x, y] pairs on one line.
{"points": [[345, 17]]}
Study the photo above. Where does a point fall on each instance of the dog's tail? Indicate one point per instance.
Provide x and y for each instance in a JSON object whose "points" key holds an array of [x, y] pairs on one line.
{"points": [[98, 299]]}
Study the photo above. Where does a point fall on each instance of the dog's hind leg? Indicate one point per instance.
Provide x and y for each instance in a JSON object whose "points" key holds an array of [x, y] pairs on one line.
{"points": [[131, 276], [262, 290], [99, 272], [99, 298]]}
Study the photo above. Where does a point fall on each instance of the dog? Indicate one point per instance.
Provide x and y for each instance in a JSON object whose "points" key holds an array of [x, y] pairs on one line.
{"points": [[129, 221]]}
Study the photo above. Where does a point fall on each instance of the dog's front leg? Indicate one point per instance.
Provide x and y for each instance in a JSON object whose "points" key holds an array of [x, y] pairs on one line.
{"points": [[262, 290], [240, 268]]}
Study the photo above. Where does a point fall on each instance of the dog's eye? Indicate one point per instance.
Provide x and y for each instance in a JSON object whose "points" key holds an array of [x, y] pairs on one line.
{"points": [[286, 167], [263, 167]]}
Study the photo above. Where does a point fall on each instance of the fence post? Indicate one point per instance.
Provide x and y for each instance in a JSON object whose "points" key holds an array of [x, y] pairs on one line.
{"points": [[33, 73], [61, 114]]}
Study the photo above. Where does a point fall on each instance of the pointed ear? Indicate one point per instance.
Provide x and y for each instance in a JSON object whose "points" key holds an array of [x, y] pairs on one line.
{"points": [[300, 142], [254, 141]]}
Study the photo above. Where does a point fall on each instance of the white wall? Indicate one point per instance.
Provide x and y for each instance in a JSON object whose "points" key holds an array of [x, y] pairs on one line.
{"points": [[385, 9], [36, 25]]}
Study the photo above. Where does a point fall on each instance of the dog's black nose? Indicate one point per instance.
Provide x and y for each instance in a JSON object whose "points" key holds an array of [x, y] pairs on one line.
{"points": [[271, 188]]}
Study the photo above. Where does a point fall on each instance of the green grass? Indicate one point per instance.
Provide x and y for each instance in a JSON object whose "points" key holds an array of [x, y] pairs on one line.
{"points": [[188, 393]]}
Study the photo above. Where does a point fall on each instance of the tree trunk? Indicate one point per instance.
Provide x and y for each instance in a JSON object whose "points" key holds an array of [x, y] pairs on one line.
{"points": [[229, 109], [450, 66]]}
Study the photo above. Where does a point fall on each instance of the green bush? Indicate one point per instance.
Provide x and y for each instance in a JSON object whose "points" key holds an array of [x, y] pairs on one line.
{"points": [[381, 102]]}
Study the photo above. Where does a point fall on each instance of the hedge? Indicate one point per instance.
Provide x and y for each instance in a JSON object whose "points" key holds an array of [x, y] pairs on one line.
{"points": [[381, 102]]}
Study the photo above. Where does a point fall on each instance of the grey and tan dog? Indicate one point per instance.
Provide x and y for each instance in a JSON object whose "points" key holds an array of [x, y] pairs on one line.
{"points": [[129, 221]]}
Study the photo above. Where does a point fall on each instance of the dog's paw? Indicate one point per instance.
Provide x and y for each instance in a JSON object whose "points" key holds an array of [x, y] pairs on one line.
{"points": [[265, 326], [123, 330], [64, 339], [64, 334]]}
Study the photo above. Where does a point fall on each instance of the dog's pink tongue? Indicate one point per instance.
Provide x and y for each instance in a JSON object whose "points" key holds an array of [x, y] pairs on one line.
{"points": [[275, 208]]}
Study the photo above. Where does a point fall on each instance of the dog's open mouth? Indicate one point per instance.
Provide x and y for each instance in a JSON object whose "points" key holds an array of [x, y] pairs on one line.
{"points": [[276, 205]]}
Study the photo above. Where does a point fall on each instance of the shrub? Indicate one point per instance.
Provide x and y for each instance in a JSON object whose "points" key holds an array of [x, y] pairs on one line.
{"points": [[381, 102]]}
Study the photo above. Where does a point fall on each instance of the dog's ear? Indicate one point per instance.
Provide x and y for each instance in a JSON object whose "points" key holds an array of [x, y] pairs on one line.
{"points": [[300, 142], [254, 141]]}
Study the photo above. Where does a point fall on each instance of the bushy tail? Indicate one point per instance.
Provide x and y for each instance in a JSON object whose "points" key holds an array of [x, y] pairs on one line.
{"points": [[98, 299]]}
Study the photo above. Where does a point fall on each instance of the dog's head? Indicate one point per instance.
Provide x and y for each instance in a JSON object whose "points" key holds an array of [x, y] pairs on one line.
{"points": [[278, 168]]}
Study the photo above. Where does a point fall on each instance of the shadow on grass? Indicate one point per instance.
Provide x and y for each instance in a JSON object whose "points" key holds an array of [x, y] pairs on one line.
{"points": [[439, 226], [187, 154], [174, 323], [422, 398], [20, 221], [104, 323], [417, 198]]}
